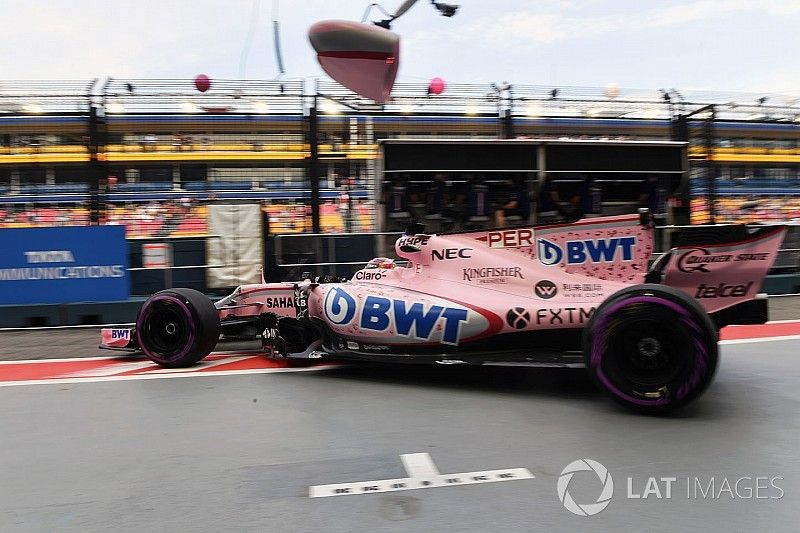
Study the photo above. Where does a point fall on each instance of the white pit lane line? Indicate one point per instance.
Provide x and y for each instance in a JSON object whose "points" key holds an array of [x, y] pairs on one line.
{"points": [[423, 474], [173, 375]]}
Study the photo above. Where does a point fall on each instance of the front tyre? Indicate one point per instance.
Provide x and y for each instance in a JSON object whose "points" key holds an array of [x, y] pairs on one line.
{"points": [[651, 348], [177, 327]]}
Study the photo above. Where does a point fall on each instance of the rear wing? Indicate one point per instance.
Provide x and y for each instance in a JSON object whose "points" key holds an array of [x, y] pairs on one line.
{"points": [[722, 266]]}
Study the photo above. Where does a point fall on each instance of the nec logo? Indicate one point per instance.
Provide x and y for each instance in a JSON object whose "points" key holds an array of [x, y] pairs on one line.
{"points": [[451, 253], [588, 250]]}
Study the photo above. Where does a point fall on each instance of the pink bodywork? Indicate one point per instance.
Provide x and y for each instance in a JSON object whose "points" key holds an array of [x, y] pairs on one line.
{"points": [[463, 287], [506, 280], [458, 288]]}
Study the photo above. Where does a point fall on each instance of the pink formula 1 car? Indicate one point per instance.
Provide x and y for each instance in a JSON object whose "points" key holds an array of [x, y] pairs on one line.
{"points": [[566, 295]]}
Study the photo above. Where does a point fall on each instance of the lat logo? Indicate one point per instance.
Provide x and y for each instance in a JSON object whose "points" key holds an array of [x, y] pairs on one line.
{"points": [[585, 509], [578, 252]]}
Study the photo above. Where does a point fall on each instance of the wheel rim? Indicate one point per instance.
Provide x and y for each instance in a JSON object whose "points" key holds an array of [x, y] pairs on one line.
{"points": [[648, 350], [649, 353], [167, 328]]}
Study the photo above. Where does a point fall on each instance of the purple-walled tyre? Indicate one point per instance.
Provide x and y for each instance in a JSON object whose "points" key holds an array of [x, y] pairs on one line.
{"points": [[651, 348], [177, 327]]}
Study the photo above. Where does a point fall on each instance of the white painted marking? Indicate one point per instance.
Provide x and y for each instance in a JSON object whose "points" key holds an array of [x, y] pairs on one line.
{"points": [[202, 365], [80, 326], [110, 370], [151, 375], [762, 339], [419, 465], [110, 357], [423, 475], [61, 360]]}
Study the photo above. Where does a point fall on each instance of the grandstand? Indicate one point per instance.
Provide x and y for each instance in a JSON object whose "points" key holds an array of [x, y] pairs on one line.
{"points": [[167, 149]]}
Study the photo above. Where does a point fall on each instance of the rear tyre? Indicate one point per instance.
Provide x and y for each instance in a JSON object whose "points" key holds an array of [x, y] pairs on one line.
{"points": [[651, 348], [177, 327]]}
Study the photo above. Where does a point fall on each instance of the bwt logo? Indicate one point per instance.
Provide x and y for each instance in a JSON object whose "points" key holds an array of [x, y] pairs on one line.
{"points": [[585, 509], [589, 250], [340, 307], [409, 319]]}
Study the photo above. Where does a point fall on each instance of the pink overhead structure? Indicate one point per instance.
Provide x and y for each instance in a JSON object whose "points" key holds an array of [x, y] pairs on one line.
{"points": [[362, 57]]}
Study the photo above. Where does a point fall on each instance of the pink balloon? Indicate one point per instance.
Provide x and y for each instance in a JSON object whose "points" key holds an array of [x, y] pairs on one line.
{"points": [[436, 86], [202, 83]]}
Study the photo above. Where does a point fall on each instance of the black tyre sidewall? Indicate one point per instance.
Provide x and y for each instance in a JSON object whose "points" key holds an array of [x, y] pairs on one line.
{"points": [[201, 320], [699, 329]]}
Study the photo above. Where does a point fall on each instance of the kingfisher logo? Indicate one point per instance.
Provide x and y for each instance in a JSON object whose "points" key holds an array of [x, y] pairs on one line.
{"points": [[579, 252], [340, 307]]}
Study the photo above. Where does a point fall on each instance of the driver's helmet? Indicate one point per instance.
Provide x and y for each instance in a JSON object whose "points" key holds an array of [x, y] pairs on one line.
{"points": [[381, 262]]}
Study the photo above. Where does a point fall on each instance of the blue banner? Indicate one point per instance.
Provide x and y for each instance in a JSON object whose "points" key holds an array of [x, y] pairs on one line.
{"points": [[61, 265]]}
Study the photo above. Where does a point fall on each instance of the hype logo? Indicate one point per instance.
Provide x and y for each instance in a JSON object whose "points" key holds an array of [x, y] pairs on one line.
{"points": [[340, 307]]}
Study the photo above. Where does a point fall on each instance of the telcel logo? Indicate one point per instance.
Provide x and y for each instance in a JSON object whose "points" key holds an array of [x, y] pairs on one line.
{"points": [[722, 290], [589, 250]]}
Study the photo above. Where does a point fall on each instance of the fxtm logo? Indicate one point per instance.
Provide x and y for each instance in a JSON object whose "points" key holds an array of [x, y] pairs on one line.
{"points": [[545, 289], [585, 509], [722, 290], [591, 250], [518, 318]]}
